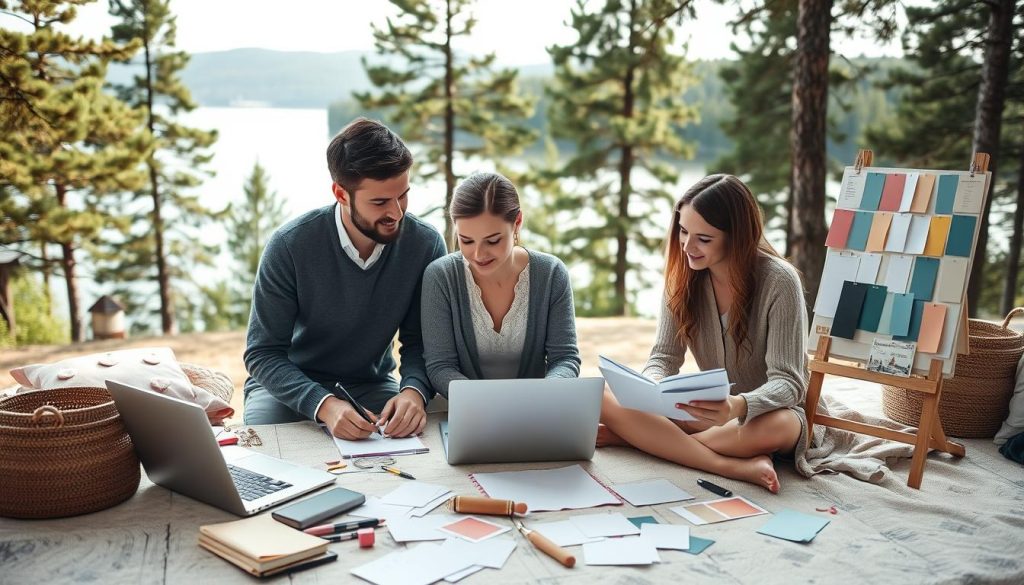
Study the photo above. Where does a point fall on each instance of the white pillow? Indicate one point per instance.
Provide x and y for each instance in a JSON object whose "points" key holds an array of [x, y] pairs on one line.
{"points": [[152, 368], [1014, 424]]}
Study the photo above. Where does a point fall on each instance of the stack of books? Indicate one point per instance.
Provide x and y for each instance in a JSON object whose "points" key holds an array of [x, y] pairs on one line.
{"points": [[262, 546]]}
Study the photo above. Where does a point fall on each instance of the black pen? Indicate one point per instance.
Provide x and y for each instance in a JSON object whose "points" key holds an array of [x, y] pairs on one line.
{"points": [[714, 488], [359, 408], [325, 529], [341, 537]]}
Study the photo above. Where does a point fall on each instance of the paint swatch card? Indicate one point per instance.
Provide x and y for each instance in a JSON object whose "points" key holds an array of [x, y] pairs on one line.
{"points": [[838, 267], [914, 328], [871, 311], [938, 232], [961, 235], [945, 195], [897, 272], [909, 187], [923, 193], [631, 550], [698, 545], [932, 319], [639, 521], [902, 314], [872, 192], [917, 237], [839, 231], [952, 277], [858, 238], [970, 194], [473, 529], [879, 230], [867, 271], [793, 526], [949, 332], [851, 190], [885, 319], [892, 192], [719, 510], [922, 281], [898, 231], [851, 299]]}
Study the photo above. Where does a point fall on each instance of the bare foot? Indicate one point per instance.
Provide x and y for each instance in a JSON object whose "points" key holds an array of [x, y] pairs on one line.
{"points": [[607, 438], [758, 471]]}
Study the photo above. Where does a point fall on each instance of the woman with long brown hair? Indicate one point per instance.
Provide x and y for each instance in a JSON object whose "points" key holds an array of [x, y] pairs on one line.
{"points": [[734, 303]]}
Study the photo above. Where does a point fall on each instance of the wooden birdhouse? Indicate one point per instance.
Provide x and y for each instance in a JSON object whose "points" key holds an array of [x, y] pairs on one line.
{"points": [[107, 319]]}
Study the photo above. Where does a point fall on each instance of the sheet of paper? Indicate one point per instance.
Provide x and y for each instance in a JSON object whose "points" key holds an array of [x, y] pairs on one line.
{"points": [[848, 310], [427, 508], [794, 526], [374, 508], [961, 235], [860, 230], [631, 550], [917, 237], [897, 274], [720, 510], [867, 271], [949, 333], [491, 553], [669, 536], [839, 231], [414, 529], [914, 329], [648, 493], [560, 488], [872, 192], [563, 533], [377, 446], [885, 319], [851, 189], [909, 187], [970, 194], [879, 231], [945, 195], [951, 281], [421, 565], [871, 311], [902, 312], [414, 494], [922, 281], [923, 193], [932, 320], [698, 545], [938, 231], [892, 192], [456, 577], [898, 231], [604, 525], [838, 267]]}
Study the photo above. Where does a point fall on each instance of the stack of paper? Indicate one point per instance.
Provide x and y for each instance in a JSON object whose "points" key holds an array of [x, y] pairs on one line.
{"points": [[260, 545], [377, 445], [635, 391]]}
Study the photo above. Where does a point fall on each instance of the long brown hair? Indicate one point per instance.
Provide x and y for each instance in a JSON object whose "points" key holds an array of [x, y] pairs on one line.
{"points": [[727, 204]]}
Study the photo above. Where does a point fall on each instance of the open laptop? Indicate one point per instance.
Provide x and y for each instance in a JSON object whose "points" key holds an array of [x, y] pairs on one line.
{"points": [[502, 421], [176, 446]]}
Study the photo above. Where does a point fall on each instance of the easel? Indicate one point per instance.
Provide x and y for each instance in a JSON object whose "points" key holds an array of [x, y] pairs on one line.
{"points": [[930, 434]]}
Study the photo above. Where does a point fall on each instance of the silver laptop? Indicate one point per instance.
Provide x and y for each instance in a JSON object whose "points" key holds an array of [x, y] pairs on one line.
{"points": [[176, 445], [500, 421]]}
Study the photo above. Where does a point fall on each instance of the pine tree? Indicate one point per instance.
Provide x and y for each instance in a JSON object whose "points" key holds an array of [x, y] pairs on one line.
{"points": [[455, 107], [167, 232], [617, 95], [67, 145]]}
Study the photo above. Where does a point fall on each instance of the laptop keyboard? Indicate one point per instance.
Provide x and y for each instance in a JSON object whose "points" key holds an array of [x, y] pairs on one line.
{"points": [[252, 486]]}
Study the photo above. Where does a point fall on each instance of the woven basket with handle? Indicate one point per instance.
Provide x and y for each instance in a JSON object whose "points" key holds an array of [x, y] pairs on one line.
{"points": [[63, 452], [976, 400]]}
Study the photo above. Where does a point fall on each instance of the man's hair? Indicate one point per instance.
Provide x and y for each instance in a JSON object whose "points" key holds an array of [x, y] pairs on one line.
{"points": [[366, 149]]}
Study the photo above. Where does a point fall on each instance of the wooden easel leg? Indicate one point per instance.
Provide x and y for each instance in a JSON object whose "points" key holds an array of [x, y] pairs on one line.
{"points": [[814, 387], [929, 412]]}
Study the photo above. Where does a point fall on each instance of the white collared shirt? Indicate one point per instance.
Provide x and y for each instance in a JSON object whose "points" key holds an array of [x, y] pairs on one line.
{"points": [[350, 248]]}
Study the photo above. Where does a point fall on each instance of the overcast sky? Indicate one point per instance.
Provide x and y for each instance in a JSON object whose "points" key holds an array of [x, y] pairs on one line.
{"points": [[518, 31]]}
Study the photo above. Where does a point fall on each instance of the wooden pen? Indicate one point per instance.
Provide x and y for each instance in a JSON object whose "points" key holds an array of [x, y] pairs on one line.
{"points": [[546, 546]]}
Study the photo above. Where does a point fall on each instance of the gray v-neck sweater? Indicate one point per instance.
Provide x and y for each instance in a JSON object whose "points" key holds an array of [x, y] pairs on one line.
{"points": [[450, 348]]}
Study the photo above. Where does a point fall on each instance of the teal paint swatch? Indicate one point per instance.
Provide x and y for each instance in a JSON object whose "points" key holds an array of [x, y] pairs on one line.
{"points": [[946, 194], [961, 235], [915, 323], [858, 238], [638, 520], [871, 311], [794, 526], [873, 186], [698, 545], [902, 311], [922, 281]]}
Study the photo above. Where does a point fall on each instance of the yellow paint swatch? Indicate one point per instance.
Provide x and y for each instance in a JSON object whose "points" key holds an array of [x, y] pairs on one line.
{"points": [[937, 232]]}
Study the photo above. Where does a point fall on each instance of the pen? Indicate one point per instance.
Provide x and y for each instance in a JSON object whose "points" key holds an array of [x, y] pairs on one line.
{"points": [[397, 472], [359, 408], [713, 488], [324, 529]]}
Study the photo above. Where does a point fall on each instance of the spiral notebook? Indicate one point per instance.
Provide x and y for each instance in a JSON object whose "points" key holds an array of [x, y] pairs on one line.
{"points": [[563, 488], [377, 446]]}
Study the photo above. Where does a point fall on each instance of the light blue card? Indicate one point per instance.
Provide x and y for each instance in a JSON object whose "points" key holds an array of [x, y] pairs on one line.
{"points": [[858, 238], [698, 545], [872, 192], [946, 194], [915, 323], [961, 235], [885, 321], [902, 311], [791, 525]]}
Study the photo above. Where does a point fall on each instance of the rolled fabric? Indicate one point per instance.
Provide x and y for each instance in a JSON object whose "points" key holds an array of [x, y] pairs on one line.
{"points": [[488, 506]]}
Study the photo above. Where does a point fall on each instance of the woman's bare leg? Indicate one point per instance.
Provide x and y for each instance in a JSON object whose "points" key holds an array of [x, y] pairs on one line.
{"points": [[778, 430], [659, 436]]}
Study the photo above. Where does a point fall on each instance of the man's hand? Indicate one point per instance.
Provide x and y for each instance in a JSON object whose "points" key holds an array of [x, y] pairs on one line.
{"points": [[404, 414], [342, 420], [716, 412]]}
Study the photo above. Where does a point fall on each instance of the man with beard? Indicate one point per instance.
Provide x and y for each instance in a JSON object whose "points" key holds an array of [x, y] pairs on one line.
{"points": [[333, 287]]}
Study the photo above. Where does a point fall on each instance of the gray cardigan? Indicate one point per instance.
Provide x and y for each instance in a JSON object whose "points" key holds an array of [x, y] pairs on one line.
{"points": [[450, 348]]}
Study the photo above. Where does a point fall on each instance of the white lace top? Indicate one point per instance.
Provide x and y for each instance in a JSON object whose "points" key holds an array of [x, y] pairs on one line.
{"points": [[499, 351]]}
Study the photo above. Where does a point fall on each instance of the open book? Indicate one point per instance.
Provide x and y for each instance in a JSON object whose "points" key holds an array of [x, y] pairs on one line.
{"points": [[634, 390]]}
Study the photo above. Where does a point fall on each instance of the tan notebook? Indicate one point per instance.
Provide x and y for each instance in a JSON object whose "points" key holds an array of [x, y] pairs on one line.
{"points": [[259, 544]]}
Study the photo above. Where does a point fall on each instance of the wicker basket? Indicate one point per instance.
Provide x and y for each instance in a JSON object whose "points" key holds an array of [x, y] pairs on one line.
{"points": [[976, 400], [63, 452]]}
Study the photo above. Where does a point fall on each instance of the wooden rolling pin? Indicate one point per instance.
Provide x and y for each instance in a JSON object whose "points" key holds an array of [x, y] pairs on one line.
{"points": [[544, 545], [491, 506]]}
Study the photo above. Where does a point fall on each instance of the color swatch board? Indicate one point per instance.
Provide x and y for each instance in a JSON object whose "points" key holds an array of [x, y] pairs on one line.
{"points": [[900, 245]]}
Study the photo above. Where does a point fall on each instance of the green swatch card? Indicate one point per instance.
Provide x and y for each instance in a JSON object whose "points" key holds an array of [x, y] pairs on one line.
{"points": [[915, 323], [922, 281], [858, 238], [698, 545], [946, 194], [871, 311], [961, 234], [873, 186]]}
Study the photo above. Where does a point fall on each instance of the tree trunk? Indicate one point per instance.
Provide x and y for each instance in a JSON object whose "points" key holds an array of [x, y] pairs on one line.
{"points": [[988, 122], [47, 293], [71, 280], [810, 112], [1010, 290], [7, 299], [449, 128], [620, 305]]}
